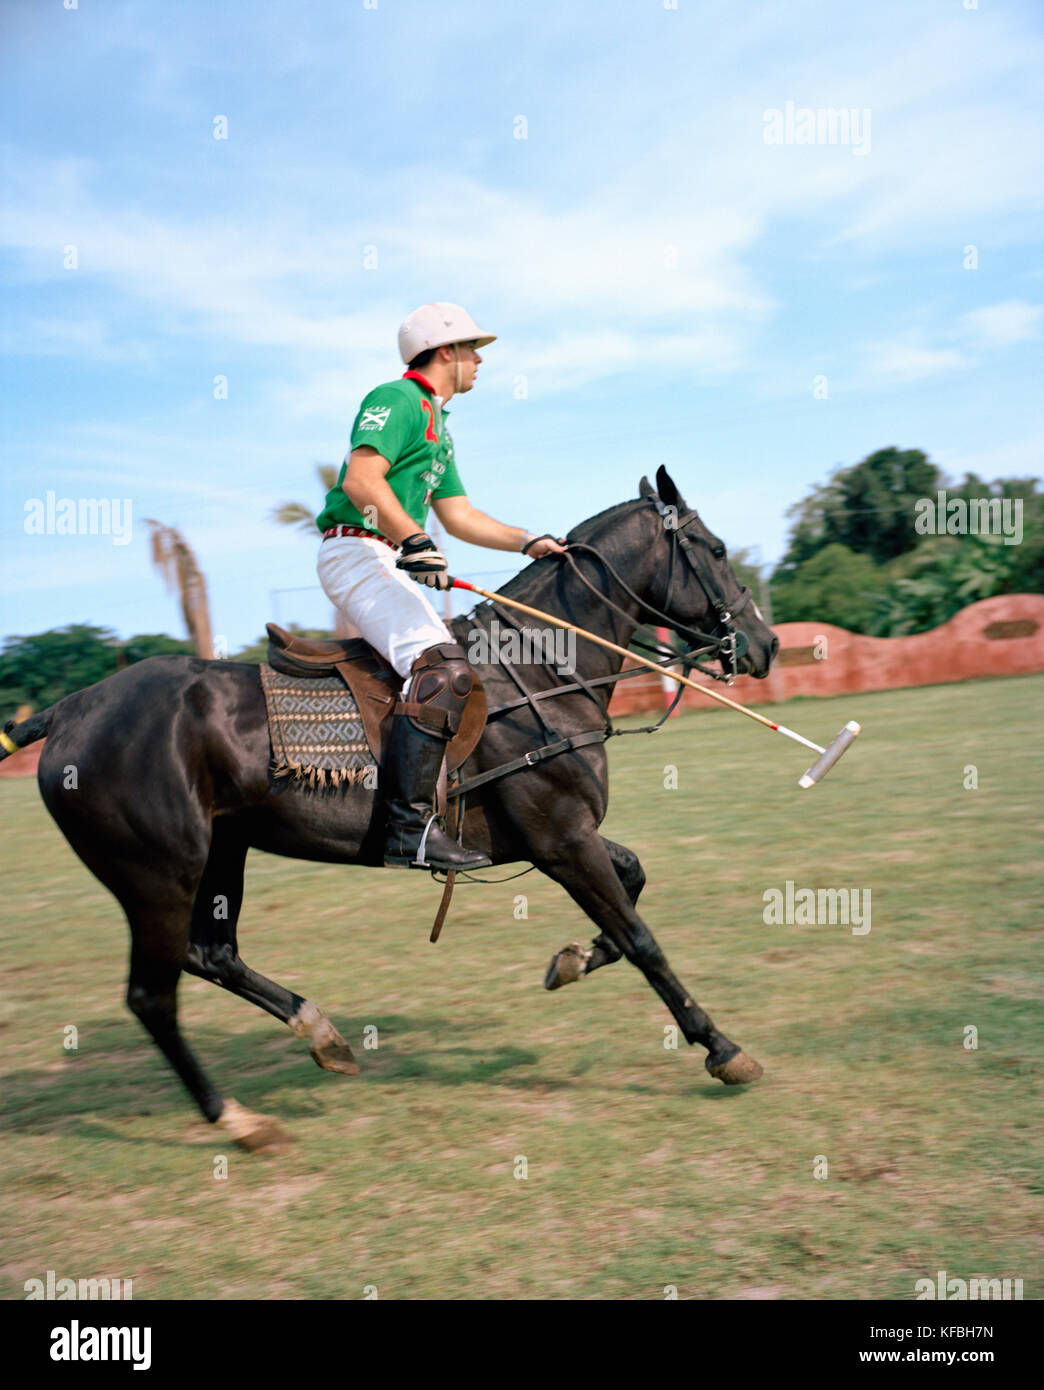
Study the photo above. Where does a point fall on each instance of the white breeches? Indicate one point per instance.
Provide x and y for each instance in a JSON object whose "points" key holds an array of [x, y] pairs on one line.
{"points": [[387, 607]]}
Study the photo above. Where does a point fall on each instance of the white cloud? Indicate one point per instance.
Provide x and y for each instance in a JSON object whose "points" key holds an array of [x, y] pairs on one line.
{"points": [[906, 360], [996, 326], [643, 228], [86, 338], [1002, 325], [662, 258], [596, 263]]}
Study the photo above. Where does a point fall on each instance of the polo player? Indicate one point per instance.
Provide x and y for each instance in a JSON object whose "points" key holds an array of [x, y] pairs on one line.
{"points": [[374, 546]]}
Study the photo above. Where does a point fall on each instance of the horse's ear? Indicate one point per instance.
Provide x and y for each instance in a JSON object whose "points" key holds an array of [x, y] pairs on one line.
{"points": [[645, 488], [670, 494]]}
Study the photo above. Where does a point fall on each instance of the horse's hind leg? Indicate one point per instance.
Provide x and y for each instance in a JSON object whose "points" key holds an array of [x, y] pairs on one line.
{"points": [[583, 867], [159, 940], [574, 961], [213, 954], [152, 998], [156, 894]]}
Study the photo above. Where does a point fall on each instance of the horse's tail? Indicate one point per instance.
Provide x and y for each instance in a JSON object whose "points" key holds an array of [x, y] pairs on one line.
{"points": [[17, 735]]}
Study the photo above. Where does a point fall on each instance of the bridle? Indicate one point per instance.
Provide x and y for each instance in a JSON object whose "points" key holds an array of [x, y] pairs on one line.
{"points": [[726, 649]]}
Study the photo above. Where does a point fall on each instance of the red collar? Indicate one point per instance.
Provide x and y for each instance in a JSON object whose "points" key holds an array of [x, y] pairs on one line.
{"points": [[421, 380]]}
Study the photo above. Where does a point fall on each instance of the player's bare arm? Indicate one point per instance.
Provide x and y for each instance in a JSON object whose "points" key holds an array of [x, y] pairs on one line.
{"points": [[365, 486], [466, 523]]}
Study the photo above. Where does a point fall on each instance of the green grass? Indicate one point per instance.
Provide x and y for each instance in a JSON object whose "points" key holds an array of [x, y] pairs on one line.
{"points": [[642, 1171]]}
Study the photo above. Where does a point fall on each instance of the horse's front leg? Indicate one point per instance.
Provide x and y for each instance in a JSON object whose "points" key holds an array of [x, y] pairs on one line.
{"points": [[585, 869], [574, 961]]}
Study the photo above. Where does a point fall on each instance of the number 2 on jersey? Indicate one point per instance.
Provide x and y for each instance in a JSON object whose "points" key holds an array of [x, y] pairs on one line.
{"points": [[429, 432]]}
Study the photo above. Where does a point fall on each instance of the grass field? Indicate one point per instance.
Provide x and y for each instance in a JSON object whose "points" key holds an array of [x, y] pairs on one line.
{"points": [[643, 1172]]}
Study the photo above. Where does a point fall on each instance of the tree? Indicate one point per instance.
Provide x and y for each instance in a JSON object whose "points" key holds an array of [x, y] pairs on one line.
{"points": [[943, 576], [855, 548], [296, 513], [175, 560], [869, 508], [148, 644], [836, 585], [40, 669], [1023, 569]]}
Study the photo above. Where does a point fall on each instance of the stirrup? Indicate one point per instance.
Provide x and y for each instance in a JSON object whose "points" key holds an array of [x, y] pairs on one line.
{"points": [[420, 862], [452, 856]]}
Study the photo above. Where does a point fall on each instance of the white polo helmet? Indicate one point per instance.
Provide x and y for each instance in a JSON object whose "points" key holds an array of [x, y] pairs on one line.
{"points": [[439, 325]]}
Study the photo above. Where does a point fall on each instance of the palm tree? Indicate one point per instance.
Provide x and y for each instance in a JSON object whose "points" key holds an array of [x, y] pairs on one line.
{"points": [[296, 513], [173, 557]]}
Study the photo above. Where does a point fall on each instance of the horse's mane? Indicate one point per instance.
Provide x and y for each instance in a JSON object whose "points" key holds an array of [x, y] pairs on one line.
{"points": [[519, 585]]}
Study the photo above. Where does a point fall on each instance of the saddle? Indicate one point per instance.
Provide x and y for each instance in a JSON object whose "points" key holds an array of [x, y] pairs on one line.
{"points": [[375, 686]]}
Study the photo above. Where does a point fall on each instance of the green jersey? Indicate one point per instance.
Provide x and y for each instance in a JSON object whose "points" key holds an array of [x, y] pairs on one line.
{"points": [[403, 422]]}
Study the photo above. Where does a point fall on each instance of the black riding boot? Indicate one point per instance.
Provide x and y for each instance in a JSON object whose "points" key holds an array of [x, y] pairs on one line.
{"points": [[415, 838]]}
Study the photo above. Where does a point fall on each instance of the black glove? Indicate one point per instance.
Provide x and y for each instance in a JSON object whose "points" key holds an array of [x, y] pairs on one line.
{"points": [[423, 561]]}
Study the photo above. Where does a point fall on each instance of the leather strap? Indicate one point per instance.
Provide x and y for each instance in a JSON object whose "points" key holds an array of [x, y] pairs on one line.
{"points": [[454, 813], [442, 722], [509, 670], [440, 916], [529, 759], [532, 540]]}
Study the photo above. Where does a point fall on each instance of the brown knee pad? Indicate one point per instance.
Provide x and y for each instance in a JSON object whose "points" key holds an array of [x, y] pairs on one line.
{"points": [[441, 681]]}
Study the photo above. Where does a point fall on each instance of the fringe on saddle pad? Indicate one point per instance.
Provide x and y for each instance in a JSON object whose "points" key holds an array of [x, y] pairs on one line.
{"points": [[316, 731]]}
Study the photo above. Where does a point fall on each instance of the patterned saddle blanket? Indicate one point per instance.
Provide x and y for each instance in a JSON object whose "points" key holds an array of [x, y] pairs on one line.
{"points": [[317, 732], [330, 706]]}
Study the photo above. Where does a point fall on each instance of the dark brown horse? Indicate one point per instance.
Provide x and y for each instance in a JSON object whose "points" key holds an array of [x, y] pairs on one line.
{"points": [[159, 777]]}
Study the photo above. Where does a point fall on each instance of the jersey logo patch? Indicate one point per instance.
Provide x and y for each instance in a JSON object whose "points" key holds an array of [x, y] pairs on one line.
{"points": [[375, 417]]}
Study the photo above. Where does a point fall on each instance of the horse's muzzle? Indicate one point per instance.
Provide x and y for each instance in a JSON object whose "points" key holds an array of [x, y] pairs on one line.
{"points": [[755, 662]]}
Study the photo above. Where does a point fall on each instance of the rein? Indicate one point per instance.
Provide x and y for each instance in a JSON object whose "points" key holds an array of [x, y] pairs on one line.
{"points": [[728, 646], [717, 648]]}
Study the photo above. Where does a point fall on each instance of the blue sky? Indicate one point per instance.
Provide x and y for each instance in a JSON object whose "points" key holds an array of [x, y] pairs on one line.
{"points": [[666, 282]]}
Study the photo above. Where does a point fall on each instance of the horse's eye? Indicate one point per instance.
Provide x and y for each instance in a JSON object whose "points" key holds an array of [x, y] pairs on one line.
{"points": [[718, 552]]}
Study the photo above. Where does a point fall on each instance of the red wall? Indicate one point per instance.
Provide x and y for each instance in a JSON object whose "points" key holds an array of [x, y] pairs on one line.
{"points": [[1001, 636], [23, 763]]}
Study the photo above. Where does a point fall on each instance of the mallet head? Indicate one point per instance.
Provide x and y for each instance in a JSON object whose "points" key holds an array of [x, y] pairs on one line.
{"points": [[830, 755]]}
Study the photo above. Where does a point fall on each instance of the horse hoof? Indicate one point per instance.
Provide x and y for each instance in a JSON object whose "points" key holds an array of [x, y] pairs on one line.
{"points": [[330, 1050], [737, 1071], [255, 1133], [336, 1056], [566, 966]]}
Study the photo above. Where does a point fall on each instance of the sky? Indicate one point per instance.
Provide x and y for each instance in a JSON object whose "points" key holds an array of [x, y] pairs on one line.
{"points": [[215, 218]]}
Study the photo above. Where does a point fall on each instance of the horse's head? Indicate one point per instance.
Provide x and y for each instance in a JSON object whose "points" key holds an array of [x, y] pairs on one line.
{"points": [[692, 583]]}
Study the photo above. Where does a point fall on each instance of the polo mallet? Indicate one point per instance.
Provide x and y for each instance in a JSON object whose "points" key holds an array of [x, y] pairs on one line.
{"points": [[827, 756]]}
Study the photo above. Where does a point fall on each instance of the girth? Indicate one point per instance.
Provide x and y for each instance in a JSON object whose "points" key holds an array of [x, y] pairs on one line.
{"points": [[530, 758]]}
